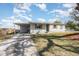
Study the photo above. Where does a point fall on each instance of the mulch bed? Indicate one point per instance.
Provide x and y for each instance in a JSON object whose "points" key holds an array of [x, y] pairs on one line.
{"points": [[74, 37]]}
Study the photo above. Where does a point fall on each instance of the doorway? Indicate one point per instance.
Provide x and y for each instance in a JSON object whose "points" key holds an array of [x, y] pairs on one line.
{"points": [[25, 28], [47, 27]]}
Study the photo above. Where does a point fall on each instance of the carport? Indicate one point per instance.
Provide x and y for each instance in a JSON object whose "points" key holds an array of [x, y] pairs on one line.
{"points": [[24, 28]]}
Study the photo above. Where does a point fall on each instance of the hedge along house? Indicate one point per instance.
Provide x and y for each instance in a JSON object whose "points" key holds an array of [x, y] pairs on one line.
{"points": [[41, 27]]}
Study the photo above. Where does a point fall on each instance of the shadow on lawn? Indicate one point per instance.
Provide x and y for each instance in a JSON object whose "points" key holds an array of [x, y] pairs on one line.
{"points": [[52, 44], [73, 49]]}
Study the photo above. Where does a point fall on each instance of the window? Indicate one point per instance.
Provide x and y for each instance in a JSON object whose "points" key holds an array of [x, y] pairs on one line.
{"points": [[54, 26], [38, 26]]}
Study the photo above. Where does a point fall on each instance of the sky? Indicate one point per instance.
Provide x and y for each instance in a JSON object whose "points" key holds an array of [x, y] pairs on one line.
{"points": [[11, 13]]}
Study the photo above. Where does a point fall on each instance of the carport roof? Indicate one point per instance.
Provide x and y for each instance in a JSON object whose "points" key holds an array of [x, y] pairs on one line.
{"points": [[37, 23]]}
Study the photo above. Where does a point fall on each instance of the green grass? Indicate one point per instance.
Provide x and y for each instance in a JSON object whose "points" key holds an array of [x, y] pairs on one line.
{"points": [[53, 35], [53, 45], [59, 47]]}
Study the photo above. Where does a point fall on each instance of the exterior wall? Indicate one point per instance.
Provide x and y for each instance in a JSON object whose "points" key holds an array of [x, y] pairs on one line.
{"points": [[50, 27], [64, 28], [17, 27], [34, 30], [58, 28], [43, 29]]}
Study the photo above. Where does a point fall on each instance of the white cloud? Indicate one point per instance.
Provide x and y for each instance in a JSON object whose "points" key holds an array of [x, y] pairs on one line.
{"points": [[21, 19], [41, 20], [0, 23], [17, 21], [7, 23], [70, 10], [53, 20], [69, 5], [24, 6], [42, 6], [60, 12], [17, 12], [11, 19], [26, 18], [30, 15], [21, 9]]}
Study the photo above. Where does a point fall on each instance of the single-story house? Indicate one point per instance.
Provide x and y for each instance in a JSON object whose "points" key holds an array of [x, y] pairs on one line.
{"points": [[40, 27]]}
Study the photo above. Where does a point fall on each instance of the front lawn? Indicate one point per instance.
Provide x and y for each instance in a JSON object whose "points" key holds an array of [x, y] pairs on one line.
{"points": [[53, 45]]}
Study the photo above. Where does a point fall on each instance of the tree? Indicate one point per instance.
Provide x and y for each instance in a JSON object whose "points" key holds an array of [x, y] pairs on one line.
{"points": [[77, 7], [75, 16], [75, 13], [71, 25], [57, 22]]}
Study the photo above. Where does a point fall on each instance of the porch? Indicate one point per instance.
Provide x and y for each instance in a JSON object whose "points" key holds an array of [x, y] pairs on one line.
{"points": [[39, 28], [34, 28]]}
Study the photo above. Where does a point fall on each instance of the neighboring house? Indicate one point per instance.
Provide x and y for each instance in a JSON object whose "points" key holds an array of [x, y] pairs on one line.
{"points": [[40, 27]]}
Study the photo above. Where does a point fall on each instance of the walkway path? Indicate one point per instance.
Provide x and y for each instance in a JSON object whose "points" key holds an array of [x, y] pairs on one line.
{"points": [[19, 45]]}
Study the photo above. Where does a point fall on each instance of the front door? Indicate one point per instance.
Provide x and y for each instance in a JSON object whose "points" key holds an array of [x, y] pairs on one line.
{"points": [[47, 27], [28, 29]]}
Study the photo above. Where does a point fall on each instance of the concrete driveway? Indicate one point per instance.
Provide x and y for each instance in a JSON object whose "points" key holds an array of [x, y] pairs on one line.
{"points": [[18, 45]]}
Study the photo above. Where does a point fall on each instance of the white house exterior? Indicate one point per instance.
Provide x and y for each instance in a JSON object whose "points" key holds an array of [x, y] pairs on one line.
{"points": [[37, 27]]}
